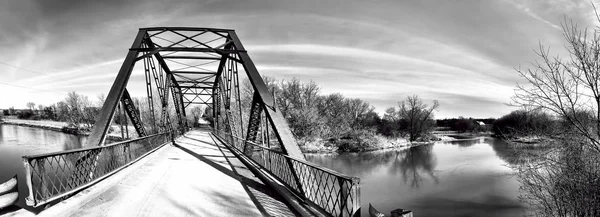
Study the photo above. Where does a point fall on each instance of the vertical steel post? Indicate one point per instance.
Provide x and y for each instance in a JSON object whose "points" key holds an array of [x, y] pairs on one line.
{"points": [[215, 89], [126, 122], [122, 115], [238, 98], [253, 121], [149, 92]]}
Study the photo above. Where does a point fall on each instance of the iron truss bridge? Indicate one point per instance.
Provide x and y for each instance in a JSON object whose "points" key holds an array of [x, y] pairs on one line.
{"points": [[183, 67]]}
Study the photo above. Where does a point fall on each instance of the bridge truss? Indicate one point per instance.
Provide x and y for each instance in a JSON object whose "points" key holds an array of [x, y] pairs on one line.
{"points": [[184, 67]]}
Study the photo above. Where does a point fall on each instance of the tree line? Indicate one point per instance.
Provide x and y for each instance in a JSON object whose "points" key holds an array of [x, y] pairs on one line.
{"points": [[349, 123], [80, 113], [76, 109]]}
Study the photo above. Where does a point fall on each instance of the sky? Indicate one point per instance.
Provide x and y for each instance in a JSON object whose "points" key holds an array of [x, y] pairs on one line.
{"points": [[461, 53]]}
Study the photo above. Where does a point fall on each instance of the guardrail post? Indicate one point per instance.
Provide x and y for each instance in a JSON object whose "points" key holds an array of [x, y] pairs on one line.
{"points": [[343, 196], [43, 182], [127, 153], [30, 200], [355, 195]]}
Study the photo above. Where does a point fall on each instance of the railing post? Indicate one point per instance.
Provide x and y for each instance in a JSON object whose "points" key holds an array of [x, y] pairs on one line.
{"points": [[126, 153], [30, 200], [343, 196], [43, 182], [355, 196]]}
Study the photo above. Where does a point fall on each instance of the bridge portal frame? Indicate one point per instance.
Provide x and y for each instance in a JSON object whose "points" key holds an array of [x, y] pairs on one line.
{"points": [[330, 192]]}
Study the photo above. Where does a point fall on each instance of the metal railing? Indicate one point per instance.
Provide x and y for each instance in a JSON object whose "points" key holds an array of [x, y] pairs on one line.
{"points": [[332, 192], [55, 175]]}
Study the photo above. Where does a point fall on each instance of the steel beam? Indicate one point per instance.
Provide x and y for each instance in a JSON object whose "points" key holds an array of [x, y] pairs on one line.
{"points": [[186, 49], [199, 94], [191, 57], [177, 108], [98, 134], [254, 121], [195, 72], [185, 29], [183, 109], [133, 114], [205, 87]]}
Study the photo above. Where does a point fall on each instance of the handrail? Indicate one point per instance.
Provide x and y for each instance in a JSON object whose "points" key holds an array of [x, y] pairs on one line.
{"points": [[253, 143], [324, 169], [50, 154], [53, 176], [330, 192]]}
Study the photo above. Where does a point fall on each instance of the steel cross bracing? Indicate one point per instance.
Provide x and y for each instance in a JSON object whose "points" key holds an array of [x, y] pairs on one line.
{"points": [[133, 113], [209, 67]]}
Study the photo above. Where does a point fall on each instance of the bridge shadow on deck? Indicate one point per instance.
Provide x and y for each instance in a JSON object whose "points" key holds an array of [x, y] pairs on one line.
{"points": [[268, 202]]}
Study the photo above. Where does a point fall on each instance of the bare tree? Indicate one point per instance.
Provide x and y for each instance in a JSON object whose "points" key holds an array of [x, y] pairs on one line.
{"points": [[417, 115], [567, 86], [101, 99], [298, 103], [31, 105], [566, 181], [78, 110], [195, 113]]}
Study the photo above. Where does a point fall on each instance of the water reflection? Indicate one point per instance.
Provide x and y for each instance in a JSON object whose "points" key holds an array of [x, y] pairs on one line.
{"points": [[414, 163], [517, 154], [457, 178], [465, 143]]}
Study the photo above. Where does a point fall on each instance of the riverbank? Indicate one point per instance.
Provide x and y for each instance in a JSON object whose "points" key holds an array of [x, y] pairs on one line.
{"points": [[377, 142], [58, 126], [453, 135], [43, 124]]}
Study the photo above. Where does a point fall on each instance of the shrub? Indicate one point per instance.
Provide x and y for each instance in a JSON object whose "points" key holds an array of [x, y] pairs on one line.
{"points": [[356, 140], [25, 114]]}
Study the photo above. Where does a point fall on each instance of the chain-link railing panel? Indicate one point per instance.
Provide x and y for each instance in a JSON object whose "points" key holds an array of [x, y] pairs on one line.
{"points": [[55, 175], [332, 192]]}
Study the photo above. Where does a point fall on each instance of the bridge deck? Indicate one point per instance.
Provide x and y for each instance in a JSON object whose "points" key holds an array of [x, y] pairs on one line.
{"points": [[193, 177]]}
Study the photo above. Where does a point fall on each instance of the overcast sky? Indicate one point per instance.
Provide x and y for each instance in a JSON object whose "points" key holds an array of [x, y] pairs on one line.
{"points": [[462, 53]]}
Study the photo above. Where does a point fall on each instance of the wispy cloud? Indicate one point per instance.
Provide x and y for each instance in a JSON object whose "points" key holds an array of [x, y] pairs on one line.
{"points": [[534, 15], [461, 53]]}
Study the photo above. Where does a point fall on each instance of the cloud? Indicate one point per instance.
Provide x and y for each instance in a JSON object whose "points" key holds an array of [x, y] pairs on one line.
{"points": [[534, 15], [461, 53]]}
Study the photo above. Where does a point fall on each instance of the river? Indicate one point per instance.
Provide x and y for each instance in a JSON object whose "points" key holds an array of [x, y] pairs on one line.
{"points": [[16, 141], [459, 178]]}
